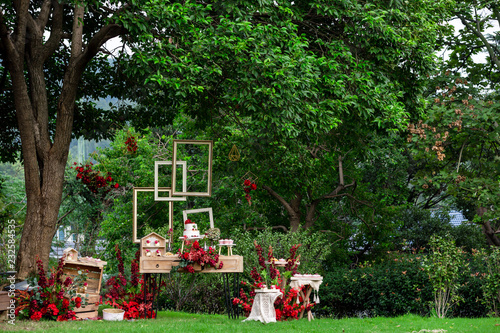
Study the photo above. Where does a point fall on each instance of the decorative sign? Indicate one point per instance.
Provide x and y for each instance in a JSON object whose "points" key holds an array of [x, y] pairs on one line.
{"points": [[234, 154], [250, 177]]}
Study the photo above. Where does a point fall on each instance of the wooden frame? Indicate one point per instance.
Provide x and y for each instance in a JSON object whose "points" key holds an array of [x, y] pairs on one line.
{"points": [[201, 210], [208, 193], [136, 190], [184, 180]]}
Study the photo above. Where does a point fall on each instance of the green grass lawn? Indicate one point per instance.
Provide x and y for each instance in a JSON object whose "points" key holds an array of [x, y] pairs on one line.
{"points": [[184, 322]]}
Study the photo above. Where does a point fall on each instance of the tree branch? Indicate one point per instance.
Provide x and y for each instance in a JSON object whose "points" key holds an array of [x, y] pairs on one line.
{"points": [[43, 17], [491, 52], [76, 39], [281, 200]]}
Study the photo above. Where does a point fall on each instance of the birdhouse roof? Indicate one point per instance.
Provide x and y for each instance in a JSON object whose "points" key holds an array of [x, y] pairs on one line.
{"points": [[153, 234]]}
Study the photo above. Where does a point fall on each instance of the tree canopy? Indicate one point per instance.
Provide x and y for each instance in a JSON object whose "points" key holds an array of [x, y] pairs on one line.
{"points": [[295, 75]]}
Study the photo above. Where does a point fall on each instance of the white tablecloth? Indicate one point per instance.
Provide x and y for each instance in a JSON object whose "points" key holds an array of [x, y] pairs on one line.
{"points": [[263, 306]]}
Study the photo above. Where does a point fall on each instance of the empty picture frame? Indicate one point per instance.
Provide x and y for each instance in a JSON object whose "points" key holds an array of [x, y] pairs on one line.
{"points": [[198, 155], [201, 210], [184, 177], [136, 191]]}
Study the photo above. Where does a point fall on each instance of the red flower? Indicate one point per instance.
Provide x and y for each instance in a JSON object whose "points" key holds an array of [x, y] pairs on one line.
{"points": [[36, 316], [65, 303], [116, 185], [62, 318], [247, 182], [188, 221], [67, 282], [278, 314], [78, 302], [253, 186], [52, 309]]}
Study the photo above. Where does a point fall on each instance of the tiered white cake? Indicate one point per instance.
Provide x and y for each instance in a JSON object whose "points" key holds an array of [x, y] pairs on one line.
{"points": [[191, 230]]}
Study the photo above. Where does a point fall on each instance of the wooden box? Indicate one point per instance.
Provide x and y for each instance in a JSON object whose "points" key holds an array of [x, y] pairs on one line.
{"points": [[158, 265], [230, 264], [94, 275]]}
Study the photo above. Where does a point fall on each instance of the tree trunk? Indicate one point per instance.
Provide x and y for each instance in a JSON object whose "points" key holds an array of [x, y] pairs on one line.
{"points": [[40, 224], [24, 52], [488, 231]]}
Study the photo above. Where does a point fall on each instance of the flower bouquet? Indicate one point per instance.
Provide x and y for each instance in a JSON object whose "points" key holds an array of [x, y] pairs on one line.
{"points": [[195, 256]]}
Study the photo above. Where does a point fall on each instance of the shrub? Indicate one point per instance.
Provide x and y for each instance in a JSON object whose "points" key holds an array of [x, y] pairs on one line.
{"points": [[443, 266], [128, 295], [315, 247], [491, 280], [393, 286]]}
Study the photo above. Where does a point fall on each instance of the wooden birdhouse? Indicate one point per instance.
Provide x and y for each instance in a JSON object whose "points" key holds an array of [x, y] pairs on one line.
{"points": [[71, 254], [153, 246]]}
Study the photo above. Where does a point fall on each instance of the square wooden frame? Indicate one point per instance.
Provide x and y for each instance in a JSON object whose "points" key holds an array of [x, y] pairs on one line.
{"points": [[201, 210], [184, 179], [175, 192], [134, 208]]}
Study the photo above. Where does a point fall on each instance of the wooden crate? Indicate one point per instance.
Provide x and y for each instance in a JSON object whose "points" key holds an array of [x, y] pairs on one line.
{"points": [[90, 310], [4, 300], [94, 275]]}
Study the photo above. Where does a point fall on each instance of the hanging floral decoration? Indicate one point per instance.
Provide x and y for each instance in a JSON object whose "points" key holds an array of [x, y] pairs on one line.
{"points": [[249, 186]]}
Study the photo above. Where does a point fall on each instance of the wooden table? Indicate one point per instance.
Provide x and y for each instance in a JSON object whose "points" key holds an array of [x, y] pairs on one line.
{"points": [[311, 283]]}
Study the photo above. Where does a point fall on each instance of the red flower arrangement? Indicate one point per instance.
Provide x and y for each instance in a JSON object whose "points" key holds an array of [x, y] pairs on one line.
{"points": [[131, 144], [194, 254], [129, 295], [286, 307], [249, 186], [52, 298]]}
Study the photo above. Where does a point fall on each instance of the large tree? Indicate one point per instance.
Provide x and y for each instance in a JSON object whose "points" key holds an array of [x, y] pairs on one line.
{"points": [[45, 48]]}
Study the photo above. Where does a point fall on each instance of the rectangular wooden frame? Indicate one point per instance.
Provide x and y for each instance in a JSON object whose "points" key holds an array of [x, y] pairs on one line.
{"points": [[184, 179], [174, 171], [134, 208], [201, 210]]}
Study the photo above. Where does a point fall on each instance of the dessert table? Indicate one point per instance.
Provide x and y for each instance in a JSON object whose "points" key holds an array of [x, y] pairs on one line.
{"points": [[263, 305], [311, 282]]}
